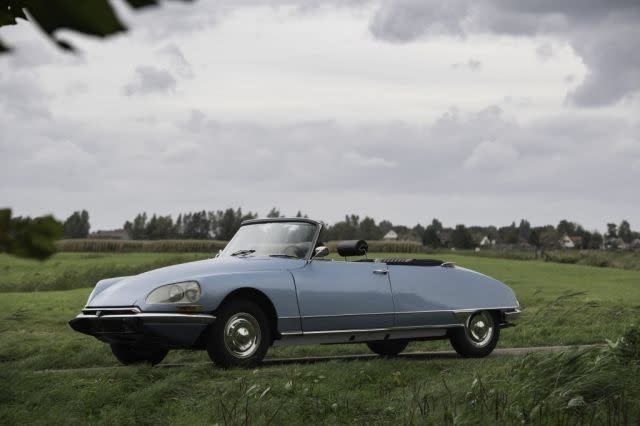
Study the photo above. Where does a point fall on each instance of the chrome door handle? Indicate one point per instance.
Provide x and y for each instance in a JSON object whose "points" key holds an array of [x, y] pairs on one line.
{"points": [[381, 271]]}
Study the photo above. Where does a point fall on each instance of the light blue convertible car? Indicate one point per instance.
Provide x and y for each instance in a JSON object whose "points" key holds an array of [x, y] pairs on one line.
{"points": [[272, 286]]}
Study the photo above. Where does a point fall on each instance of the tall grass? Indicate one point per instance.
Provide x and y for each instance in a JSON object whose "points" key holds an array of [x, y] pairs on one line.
{"points": [[154, 246], [381, 246], [597, 258]]}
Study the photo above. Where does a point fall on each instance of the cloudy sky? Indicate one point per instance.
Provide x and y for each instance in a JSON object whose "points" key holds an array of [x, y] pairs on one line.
{"points": [[475, 112]]}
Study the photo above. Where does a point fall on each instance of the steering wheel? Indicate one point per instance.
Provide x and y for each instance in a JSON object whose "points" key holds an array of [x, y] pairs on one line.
{"points": [[292, 250]]}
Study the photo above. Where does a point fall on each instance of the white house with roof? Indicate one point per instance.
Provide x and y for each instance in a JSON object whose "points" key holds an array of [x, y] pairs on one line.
{"points": [[486, 241], [391, 235], [566, 242]]}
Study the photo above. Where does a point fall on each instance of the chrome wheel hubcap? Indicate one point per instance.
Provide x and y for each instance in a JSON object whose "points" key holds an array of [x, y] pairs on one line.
{"points": [[242, 335], [480, 328]]}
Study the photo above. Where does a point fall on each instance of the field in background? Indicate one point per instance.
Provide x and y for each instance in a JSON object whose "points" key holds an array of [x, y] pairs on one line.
{"points": [[599, 258], [563, 304]]}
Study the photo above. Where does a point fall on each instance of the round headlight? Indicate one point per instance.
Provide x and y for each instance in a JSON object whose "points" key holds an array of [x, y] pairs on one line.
{"points": [[186, 292], [175, 293]]}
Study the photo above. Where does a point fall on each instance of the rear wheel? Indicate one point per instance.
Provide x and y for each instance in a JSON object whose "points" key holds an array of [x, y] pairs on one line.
{"points": [[388, 347], [240, 336], [130, 354], [478, 337]]}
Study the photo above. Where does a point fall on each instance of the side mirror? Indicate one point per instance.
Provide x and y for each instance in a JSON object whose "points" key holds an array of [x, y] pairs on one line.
{"points": [[321, 251]]}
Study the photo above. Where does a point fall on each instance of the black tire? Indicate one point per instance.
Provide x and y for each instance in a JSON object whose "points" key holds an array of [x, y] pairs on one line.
{"points": [[247, 331], [388, 347], [128, 354], [470, 343]]}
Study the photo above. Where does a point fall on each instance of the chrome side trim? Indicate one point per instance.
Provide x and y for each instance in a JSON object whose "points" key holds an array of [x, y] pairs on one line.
{"points": [[454, 311], [168, 318], [369, 330], [359, 336]]}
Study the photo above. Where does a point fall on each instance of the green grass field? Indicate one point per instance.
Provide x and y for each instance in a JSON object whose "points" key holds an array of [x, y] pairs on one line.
{"points": [[51, 374]]}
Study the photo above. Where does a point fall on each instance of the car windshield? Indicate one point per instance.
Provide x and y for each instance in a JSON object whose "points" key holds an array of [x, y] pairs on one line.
{"points": [[278, 239]]}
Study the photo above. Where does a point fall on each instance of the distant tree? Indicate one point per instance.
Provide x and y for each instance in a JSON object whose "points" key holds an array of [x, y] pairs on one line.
{"points": [[437, 225], [612, 231], [548, 237], [509, 234], [461, 238], [29, 237], [534, 238], [595, 241], [77, 225], [299, 214], [160, 228], [228, 222], [566, 227], [348, 229], [385, 226], [417, 233], [275, 213], [137, 230], [524, 229], [430, 237], [368, 229], [624, 232]]}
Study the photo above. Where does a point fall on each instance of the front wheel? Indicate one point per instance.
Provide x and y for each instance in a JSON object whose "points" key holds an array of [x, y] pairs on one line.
{"points": [[129, 354], [478, 337], [388, 347], [240, 336]]}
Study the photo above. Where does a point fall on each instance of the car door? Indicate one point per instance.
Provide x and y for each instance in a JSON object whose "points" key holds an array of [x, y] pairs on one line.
{"points": [[337, 295]]}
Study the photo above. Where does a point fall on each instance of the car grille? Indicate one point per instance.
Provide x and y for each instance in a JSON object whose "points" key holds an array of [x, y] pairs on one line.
{"points": [[105, 312]]}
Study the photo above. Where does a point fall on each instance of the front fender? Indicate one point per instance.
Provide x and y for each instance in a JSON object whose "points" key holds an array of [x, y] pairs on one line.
{"points": [[278, 286]]}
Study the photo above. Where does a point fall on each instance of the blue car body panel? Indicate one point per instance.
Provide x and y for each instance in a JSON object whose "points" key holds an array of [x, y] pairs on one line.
{"points": [[343, 295]]}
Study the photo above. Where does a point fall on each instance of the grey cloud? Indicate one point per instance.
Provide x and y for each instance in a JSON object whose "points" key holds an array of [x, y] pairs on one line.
{"points": [[150, 80], [177, 62], [471, 64], [602, 32], [199, 162], [22, 96], [544, 51]]}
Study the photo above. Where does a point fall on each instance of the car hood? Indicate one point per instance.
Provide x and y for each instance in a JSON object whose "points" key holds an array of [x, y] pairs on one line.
{"points": [[129, 291]]}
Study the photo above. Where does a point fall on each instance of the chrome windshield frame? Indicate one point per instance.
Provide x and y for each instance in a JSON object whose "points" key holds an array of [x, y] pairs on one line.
{"points": [[314, 241]]}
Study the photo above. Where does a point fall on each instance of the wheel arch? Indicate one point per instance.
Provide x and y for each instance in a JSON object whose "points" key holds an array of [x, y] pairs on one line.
{"points": [[256, 296]]}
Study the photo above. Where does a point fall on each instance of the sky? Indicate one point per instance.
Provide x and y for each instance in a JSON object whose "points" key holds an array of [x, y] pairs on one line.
{"points": [[475, 112]]}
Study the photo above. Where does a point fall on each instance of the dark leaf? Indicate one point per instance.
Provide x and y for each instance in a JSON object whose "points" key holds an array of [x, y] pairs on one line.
{"points": [[34, 238], [5, 223], [137, 4], [3, 48], [65, 45], [6, 16], [93, 17], [26, 237]]}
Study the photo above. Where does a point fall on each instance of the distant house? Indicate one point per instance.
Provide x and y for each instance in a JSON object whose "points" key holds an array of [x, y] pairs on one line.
{"points": [[566, 242], [390, 236], [115, 234], [635, 244], [486, 241]]}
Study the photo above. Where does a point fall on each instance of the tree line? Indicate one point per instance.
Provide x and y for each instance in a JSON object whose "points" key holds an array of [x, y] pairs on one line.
{"points": [[223, 224]]}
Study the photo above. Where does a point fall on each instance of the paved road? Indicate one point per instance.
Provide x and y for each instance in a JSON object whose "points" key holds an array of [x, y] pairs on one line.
{"points": [[360, 357]]}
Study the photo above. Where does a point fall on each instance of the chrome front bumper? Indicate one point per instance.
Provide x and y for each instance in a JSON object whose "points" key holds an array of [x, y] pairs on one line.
{"points": [[511, 316], [129, 325]]}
